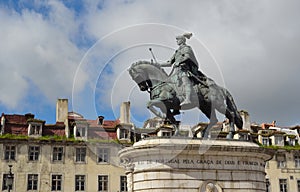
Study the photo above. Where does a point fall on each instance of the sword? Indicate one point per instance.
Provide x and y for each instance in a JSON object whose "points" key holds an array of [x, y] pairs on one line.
{"points": [[200, 81]]}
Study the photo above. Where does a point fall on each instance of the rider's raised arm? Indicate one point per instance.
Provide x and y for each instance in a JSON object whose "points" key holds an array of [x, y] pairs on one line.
{"points": [[169, 63]]}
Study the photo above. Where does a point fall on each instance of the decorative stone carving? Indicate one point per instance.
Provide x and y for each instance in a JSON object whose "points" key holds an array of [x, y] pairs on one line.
{"points": [[210, 186]]}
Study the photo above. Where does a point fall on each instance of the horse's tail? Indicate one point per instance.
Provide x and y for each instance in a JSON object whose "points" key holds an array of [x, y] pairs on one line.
{"points": [[231, 105]]}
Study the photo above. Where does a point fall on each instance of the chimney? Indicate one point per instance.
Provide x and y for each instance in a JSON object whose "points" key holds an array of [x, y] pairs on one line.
{"points": [[125, 112], [61, 110], [100, 120]]}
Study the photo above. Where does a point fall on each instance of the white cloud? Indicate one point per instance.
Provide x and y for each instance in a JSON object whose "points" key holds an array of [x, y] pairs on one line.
{"points": [[250, 40], [37, 49], [255, 42]]}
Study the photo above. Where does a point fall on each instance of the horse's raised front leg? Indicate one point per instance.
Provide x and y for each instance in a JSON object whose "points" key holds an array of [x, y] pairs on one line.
{"points": [[172, 120], [156, 103]]}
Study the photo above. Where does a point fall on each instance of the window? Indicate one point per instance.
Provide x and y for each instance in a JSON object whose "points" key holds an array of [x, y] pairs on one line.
{"points": [[32, 182], [80, 131], [56, 183], [123, 184], [267, 166], [58, 153], [166, 134], [297, 160], [265, 141], [103, 183], [5, 184], [33, 153], [268, 185], [292, 141], [35, 129], [283, 185], [10, 152], [124, 133], [298, 185], [79, 182], [278, 140], [281, 162], [103, 155], [80, 154]]}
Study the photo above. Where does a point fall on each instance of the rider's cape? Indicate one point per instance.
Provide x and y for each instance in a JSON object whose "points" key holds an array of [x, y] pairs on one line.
{"points": [[184, 54]]}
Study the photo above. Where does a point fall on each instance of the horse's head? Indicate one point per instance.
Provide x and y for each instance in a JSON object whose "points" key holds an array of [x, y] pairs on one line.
{"points": [[147, 74], [139, 75]]}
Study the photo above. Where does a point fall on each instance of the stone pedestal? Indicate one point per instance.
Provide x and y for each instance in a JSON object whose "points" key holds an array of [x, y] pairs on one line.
{"points": [[181, 165]]}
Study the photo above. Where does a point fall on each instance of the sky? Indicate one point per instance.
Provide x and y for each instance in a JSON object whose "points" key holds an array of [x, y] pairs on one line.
{"points": [[81, 50]]}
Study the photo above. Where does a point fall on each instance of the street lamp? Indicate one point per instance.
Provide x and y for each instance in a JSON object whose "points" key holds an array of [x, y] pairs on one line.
{"points": [[9, 179]]}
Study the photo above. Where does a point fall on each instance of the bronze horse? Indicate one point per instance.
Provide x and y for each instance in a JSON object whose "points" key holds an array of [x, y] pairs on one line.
{"points": [[166, 95]]}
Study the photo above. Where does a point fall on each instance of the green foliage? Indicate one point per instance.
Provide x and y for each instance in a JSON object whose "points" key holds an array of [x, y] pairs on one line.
{"points": [[42, 138], [286, 147], [13, 136]]}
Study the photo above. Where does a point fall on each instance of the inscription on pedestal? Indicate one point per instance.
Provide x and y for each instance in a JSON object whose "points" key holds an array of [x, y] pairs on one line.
{"points": [[218, 162]]}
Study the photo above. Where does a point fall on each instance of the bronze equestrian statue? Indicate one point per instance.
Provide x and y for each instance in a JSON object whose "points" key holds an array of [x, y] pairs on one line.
{"points": [[185, 88]]}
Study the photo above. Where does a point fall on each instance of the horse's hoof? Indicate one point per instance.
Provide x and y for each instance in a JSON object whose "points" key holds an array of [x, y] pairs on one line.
{"points": [[229, 135], [176, 133]]}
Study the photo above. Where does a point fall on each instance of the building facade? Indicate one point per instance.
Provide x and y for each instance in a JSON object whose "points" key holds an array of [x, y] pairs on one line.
{"points": [[57, 165], [74, 154], [78, 154]]}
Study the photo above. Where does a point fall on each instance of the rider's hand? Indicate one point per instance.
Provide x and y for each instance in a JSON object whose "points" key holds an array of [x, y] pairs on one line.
{"points": [[176, 64]]}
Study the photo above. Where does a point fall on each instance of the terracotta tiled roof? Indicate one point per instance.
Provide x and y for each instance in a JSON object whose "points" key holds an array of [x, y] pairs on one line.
{"points": [[15, 118], [107, 124], [102, 134], [17, 124], [54, 129]]}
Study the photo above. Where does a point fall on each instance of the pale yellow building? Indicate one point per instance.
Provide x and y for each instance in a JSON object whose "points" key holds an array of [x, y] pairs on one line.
{"points": [[50, 165], [74, 154], [283, 171]]}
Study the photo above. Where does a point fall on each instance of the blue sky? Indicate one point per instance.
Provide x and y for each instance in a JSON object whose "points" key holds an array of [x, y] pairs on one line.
{"points": [[81, 50]]}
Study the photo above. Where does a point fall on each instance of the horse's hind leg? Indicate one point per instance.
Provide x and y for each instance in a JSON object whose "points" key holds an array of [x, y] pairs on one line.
{"points": [[210, 113], [230, 115], [212, 121]]}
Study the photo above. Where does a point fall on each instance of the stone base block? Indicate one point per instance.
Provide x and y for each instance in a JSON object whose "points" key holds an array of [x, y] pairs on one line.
{"points": [[174, 164]]}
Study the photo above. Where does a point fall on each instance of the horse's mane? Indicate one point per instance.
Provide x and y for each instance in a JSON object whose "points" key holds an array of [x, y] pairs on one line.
{"points": [[149, 63]]}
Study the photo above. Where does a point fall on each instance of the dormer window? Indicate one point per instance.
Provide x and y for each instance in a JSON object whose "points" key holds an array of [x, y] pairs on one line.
{"points": [[124, 133], [166, 134], [2, 123], [278, 140], [80, 131], [265, 141], [35, 129]]}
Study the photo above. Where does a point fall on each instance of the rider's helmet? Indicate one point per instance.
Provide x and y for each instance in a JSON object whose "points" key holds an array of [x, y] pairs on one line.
{"points": [[184, 36]]}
